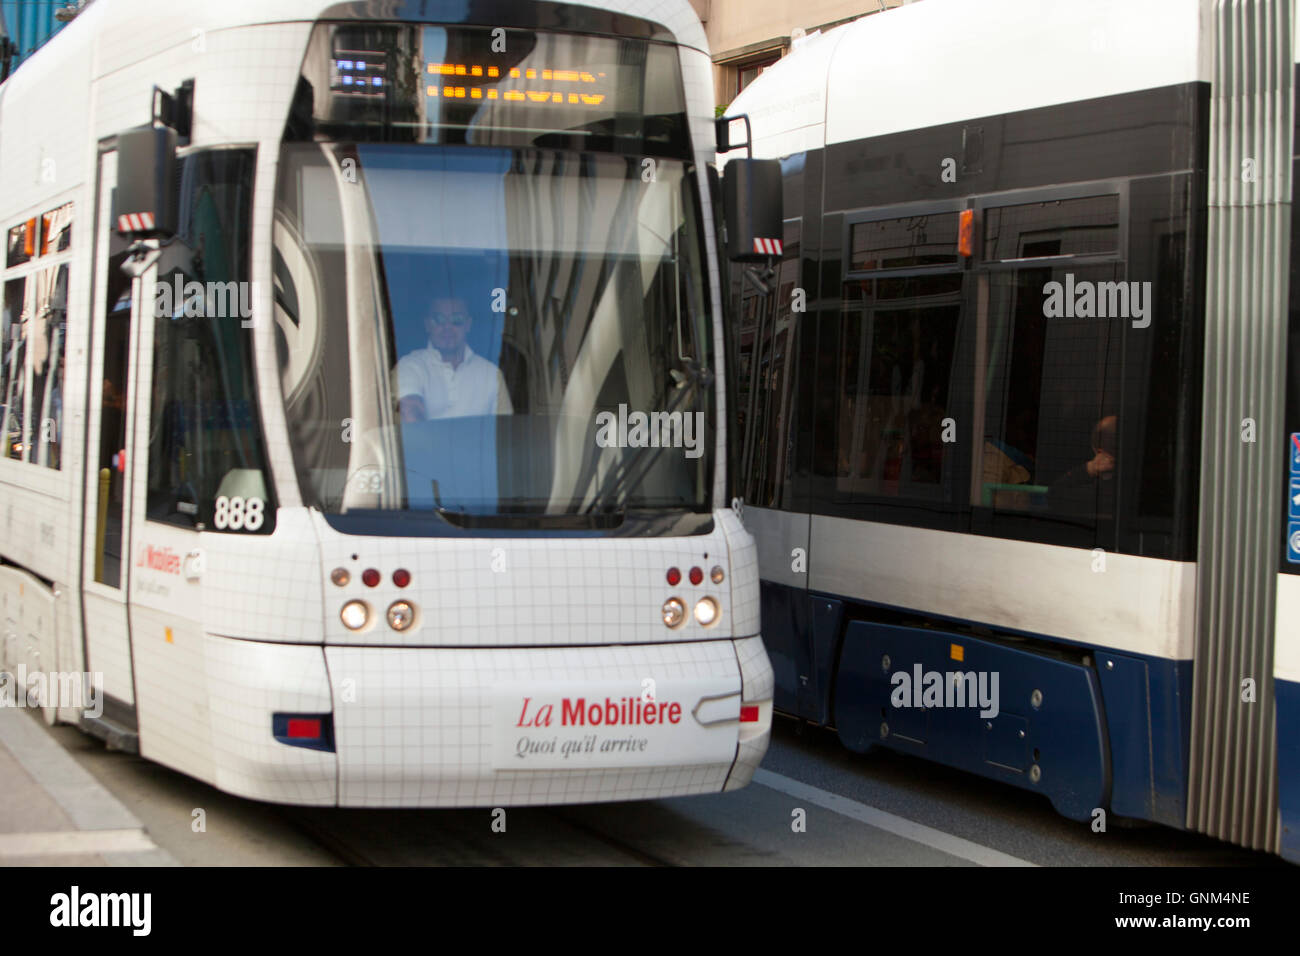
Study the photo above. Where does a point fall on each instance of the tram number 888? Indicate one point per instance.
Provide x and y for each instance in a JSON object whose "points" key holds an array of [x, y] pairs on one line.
{"points": [[238, 513]]}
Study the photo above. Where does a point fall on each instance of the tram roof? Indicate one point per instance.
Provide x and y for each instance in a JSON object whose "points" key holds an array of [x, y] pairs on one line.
{"points": [[112, 34], [943, 61]]}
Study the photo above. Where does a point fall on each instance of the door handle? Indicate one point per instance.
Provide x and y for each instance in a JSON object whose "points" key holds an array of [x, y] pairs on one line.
{"points": [[193, 565]]}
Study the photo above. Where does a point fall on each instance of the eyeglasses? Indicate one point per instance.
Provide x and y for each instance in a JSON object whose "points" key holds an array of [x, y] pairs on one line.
{"points": [[453, 318]]}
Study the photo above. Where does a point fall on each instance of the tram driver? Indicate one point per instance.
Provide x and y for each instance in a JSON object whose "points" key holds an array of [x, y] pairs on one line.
{"points": [[448, 379]]}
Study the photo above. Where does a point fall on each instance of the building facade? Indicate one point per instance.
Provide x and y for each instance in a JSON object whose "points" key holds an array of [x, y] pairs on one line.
{"points": [[747, 36]]}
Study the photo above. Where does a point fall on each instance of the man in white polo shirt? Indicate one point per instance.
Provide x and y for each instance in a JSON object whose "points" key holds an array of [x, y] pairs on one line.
{"points": [[448, 379]]}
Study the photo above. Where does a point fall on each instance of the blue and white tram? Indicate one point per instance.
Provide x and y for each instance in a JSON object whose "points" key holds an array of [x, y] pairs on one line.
{"points": [[362, 415], [1022, 420]]}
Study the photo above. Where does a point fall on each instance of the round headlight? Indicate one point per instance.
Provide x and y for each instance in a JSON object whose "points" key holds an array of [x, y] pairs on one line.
{"points": [[706, 612], [354, 615], [401, 615], [674, 612]]}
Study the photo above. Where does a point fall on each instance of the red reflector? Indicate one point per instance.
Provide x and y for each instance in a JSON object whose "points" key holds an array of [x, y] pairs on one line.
{"points": [[310, 729], [696, 575], [966, 233], [401, 578], [370, 577], [749, 714], [674, 576]]}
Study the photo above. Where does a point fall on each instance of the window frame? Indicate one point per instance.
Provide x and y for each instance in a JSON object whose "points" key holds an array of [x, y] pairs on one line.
{"points": [[25, 271], [145, 314], [1048, 527], [900, 211], [1020, 197]]}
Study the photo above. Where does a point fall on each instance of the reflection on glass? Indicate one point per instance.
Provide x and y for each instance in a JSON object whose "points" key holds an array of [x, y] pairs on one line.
{"points": [[904, 243], [49, 332], [13, 367], [480, 331], [1058, 227], [896, 381], [1050, 442], [205, 445]]}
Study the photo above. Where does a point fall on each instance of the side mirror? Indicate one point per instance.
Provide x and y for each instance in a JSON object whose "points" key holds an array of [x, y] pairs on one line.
{"points": [[752, 209], [146, 183]]}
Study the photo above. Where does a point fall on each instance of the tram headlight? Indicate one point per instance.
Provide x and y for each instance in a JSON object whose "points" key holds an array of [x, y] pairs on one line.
{"points": [[707, 611], [401, 615], [355, 615], [674, 612]]}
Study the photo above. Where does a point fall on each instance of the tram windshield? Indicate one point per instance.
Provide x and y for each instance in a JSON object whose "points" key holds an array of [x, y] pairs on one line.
{"points": [[498, 335]]}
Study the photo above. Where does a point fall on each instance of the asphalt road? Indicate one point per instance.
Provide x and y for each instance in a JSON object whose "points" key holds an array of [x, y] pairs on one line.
{"points": [[813, 803]]}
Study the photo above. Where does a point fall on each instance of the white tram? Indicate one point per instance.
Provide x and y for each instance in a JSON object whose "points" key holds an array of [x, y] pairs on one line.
{"points": [[362, 419]]}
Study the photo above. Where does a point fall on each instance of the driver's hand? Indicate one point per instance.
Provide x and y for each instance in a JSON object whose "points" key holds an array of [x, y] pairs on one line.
{"points": [[1102, 463], [411, 409]]}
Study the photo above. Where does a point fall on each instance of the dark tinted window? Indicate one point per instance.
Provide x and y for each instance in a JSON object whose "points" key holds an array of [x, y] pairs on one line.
{"points": [[206, 458], [1057, 227], [903, 243], [895, 385], [1051, 421]]}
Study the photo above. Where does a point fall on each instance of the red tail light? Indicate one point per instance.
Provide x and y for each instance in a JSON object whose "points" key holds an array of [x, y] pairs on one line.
{"points": [[301, 727]]}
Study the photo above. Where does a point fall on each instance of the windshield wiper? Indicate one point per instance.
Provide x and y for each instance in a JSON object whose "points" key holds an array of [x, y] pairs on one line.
{"points": [[528, 517]]}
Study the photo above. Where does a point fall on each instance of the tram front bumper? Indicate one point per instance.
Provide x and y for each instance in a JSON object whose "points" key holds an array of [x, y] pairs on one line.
{"points": [[452, 727]]}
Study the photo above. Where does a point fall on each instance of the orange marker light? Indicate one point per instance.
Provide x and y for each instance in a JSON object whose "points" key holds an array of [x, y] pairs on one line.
{"points": [[966, 235], [957, 652]]}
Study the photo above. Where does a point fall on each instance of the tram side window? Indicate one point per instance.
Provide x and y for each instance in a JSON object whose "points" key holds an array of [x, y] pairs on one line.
{"points": [[899, 339], [1051, 422], [21, 244], [32, 336], [207, 460], [49, 290], [896, 377], [13, 368], [1054, 336]]}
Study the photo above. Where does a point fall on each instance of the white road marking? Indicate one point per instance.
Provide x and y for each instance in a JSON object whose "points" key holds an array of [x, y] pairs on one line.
{"points": [[882, 820], [74, 842]]}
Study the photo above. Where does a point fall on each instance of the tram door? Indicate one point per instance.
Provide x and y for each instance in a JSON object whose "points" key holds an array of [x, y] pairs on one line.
{"points": [[106, 540]]}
